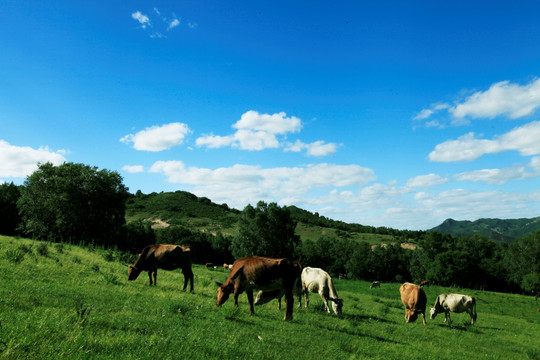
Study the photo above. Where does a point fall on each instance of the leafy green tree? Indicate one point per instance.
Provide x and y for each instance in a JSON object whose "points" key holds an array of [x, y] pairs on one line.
{"points": [[10, 219], [73, 202], [267, 230], [531, 284], [522, 258]]}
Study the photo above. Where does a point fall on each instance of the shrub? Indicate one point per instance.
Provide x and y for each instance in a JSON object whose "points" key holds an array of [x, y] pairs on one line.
{"points": [[15, 256], [42, 249]]}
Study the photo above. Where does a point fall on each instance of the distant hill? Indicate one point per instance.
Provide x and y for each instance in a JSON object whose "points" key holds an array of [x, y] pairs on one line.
{"points": [[494, 229], [200, 213]]}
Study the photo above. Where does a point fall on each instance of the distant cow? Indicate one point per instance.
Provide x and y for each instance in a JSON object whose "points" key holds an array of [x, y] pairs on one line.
{"points": [[261, 273], [209, 265], [415, 300], [424, 283], [454, 303], [166, 257], [375, 284]]}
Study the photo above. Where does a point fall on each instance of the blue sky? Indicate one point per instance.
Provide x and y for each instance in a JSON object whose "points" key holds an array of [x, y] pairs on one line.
{"points": [[398, 114]]}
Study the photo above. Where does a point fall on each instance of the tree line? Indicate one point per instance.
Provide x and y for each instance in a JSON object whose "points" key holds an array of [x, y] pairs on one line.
{"points": [[79, 204]]}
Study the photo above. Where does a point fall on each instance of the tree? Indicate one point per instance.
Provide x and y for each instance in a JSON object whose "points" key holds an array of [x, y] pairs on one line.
{"points": [[523, 257], [73, 202], [9, 216], [267, 230]]}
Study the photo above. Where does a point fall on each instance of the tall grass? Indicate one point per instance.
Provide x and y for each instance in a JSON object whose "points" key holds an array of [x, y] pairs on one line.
{"points": [[77, 304]]}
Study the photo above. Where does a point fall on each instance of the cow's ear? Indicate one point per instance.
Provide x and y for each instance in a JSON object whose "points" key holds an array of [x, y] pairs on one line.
{"points": [[218, 283]]}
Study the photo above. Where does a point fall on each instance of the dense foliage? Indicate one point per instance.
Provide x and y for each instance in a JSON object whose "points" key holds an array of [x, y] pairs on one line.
{"points": [[266, 230], [9, 215], [73, 202]]}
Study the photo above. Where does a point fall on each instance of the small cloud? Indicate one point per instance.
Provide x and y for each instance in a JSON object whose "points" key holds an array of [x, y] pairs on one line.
{"points": [[133, 169], [158, 138], [192, 25], [172, 24], [426, 181], [143, 20]]}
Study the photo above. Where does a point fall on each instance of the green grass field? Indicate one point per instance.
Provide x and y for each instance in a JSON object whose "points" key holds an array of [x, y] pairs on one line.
{"points": [[66, 302]]}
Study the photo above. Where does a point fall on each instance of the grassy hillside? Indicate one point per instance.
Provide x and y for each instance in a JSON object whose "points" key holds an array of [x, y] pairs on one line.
{"points": [[494, 229], [186, 209], [62, 301]]}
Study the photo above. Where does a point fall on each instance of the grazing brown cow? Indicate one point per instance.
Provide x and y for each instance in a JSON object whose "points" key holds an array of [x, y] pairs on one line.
{"points": [[424, 283], [209, 265], [166, 257], [261, 273], [415, 300]]}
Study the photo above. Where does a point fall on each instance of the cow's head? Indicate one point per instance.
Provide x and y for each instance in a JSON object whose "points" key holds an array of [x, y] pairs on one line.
{"points": [[223, 292], [133, 272], [432, 313], [337, 305]]}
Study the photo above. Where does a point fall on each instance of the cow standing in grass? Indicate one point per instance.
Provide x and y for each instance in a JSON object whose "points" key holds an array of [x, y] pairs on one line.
{"points": [[261, 273], [415, 300], [312, 280], [166, 257], [457, 303]]}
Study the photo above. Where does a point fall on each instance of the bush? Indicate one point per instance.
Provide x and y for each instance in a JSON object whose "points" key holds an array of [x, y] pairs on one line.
{"points": [[42, 249], [15, 256]]}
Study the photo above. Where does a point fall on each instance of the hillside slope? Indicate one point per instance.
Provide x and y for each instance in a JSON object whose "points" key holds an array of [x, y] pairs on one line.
{"points": [[494, 229]]}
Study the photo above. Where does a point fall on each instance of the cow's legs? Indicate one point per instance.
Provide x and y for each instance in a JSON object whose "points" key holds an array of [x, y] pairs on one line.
{"points": [[325, 301], [424, 318], [306, 298], [289, 303], [249, 294], [188, 277], [449, 318], [154, 272]]}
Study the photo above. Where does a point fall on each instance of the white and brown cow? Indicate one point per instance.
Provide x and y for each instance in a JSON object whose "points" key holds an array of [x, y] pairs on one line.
{"points": [[457, 303], [261, 273]]}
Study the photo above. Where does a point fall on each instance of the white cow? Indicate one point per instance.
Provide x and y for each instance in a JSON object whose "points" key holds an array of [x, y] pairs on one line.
{"points": [[454, 303], [316, 280], [375, 284], [312, 280]]}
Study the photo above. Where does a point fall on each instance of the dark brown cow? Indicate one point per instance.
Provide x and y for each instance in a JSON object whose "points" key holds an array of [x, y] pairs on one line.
{"points": [[424, 283], [261, 273], [166, 257], [415, 300]]}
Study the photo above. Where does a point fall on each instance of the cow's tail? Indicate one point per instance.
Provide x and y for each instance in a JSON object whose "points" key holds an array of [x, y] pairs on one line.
{"points": [[474, 309]]}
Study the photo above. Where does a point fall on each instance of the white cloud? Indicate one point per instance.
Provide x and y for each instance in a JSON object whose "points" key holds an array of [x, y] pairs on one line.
{"points": [[502, 176], [277, 123], [502, 98], [21, 161], [133, 169], [143, 20], [158, 138], [523, 139], [239, 185], [173, 23], [317, 148], [426, 181], [255, 131], [160, 23]]}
